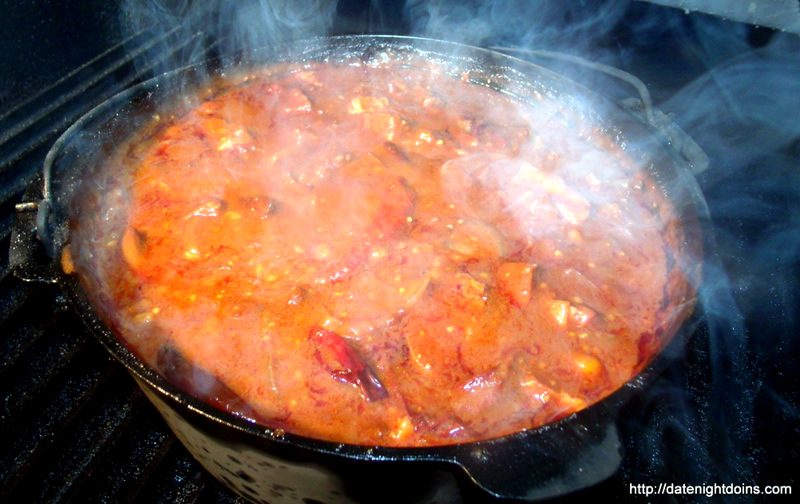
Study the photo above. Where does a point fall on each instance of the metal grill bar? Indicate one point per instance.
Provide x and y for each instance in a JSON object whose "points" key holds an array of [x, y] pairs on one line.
{"points": [[21, 333], [178, 480], [74, 84], [15, 176], [132, 459], [12, 295], [85, 448], [77, 427], [6, 220], [29, 107], [37, 369], [30, 442], [39, 134]]}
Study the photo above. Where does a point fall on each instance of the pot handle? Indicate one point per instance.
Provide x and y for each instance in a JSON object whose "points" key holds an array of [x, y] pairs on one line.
{"points": [[28, 256], [544, 463], [635, 82]]}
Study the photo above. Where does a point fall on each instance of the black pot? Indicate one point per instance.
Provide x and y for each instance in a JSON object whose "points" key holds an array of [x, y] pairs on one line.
{"points": [[264, 463]]}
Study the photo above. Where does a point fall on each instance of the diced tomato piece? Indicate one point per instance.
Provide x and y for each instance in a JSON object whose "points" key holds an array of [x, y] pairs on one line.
{"points": [[514, 280], [382, 124]]}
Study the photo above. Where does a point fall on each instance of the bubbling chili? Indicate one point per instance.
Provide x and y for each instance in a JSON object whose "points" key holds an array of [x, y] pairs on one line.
{"points": [[382, 256]]}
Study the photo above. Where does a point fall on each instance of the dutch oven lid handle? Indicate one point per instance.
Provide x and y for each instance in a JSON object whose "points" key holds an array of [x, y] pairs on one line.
{"points": [[544, 463]]}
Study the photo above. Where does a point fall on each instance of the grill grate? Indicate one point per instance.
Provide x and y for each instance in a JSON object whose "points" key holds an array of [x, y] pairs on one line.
{"points": [[76, 425]]}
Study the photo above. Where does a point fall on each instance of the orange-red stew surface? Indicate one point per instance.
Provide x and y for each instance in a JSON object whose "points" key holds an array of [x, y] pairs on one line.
{"points": [[380, 255]]}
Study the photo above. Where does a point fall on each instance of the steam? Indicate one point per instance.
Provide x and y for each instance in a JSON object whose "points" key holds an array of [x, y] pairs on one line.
{"points": [[739, 102], [741, 107], [740, 111], [235, 31], [539, 24]]}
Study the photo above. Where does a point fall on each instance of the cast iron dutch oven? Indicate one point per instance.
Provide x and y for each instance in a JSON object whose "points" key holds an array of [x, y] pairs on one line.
{"points": [[268, 464]]}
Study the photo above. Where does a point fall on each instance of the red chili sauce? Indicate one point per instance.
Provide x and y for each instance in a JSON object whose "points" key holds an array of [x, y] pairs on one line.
{"points": [[383, 256]]}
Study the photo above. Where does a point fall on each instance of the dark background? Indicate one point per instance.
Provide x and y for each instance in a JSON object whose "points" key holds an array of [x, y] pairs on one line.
{"points": [[726, 412]]}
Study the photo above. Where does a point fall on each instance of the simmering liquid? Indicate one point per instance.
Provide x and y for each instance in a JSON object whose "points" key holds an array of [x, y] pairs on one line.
{"points": [[379, 255]]}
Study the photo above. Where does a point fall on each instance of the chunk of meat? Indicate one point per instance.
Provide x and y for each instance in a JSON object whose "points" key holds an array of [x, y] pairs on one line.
{"points": [[574, 285], [508, 392], [390, 281]]}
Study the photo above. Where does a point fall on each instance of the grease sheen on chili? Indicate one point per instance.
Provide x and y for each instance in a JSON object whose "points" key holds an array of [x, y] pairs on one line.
{"points": [[380, 255]]}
